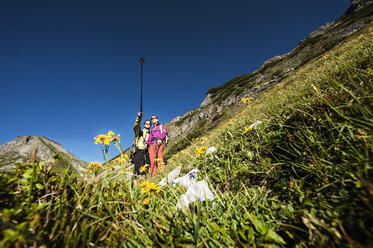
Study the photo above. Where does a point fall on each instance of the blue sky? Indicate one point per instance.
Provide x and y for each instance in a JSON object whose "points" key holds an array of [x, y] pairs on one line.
{"points": [[69, 69]]}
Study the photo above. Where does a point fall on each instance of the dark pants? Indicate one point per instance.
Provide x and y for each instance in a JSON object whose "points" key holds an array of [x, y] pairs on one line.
{"points": [[141, 157]]}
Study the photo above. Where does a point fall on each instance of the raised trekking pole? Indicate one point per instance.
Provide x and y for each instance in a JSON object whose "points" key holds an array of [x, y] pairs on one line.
{"points": [[142, 61]]}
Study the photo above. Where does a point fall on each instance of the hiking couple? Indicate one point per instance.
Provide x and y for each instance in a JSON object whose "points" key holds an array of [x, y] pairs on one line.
{"points": [[149, 144]]}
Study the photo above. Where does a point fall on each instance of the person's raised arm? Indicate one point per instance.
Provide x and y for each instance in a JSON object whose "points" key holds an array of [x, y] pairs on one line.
{"points": [[136, 127]]}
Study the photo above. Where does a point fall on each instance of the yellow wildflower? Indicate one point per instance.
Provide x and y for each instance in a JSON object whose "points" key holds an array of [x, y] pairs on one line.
{"points": [[116, 161], [146, 200], [115, 138], [107, 141], [121, 160], [247, 129], [144, 184], [230, 123], [104, 139], [246, 100], [93, 166], [200, 151], [99, 138], [157, 160], [110, 134], [143, 168], [151, 188], [124, 158], [183, 152]]}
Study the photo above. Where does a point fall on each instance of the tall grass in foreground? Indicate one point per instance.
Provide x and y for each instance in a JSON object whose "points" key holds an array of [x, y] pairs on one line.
{"points": [[303, 178]]}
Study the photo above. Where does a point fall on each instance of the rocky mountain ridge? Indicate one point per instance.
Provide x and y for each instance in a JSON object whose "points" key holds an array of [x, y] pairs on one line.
{"points": [[21, 149], [228, 96]]}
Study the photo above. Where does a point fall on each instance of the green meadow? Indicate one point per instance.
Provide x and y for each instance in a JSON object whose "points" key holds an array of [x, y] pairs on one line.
{"points": [[301, 178]]}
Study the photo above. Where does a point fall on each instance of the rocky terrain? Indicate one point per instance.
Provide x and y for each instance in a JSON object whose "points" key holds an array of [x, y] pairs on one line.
{"points": [[21, 149]]}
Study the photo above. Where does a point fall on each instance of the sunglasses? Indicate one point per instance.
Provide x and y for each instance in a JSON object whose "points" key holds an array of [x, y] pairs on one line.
{"points": [[154, 118]]}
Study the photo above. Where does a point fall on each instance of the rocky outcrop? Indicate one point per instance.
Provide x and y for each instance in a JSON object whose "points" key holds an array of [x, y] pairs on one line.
{"points": [[21, 149], [331, 29], [359, 4]]}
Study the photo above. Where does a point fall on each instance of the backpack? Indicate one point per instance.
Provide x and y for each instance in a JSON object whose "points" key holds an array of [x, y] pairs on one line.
{"points": [[132, 152], [165, 141]]}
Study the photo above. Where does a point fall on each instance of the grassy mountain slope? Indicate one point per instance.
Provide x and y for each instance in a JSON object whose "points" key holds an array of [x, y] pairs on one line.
{"points": [[303, 178], [222, 102]]}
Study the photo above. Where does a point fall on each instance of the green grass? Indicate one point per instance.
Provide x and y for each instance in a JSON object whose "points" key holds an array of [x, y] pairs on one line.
{"points": [[301, 179], [184, 142], [234, 86]]}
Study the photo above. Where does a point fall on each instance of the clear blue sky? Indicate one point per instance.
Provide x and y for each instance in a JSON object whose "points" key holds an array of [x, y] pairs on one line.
{"points": [[69, 69]]}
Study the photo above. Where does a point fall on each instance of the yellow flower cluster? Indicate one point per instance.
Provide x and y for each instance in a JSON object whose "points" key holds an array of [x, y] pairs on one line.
{"points": [[143, 168], [102, 139], [121, 160], [200, 151], [106, 138], [149, 188], [247, 129], [94, 166], [246, 100]]}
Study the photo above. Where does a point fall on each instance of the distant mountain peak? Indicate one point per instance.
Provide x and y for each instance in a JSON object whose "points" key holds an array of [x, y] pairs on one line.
{"points": [[21, 148]]}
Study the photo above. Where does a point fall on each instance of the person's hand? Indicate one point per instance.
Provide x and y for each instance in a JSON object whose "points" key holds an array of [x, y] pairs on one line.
{"points": [[139, 114], [159, 142]]}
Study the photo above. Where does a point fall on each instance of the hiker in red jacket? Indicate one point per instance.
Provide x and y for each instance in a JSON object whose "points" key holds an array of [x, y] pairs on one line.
{"points": [[156, 145]]}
